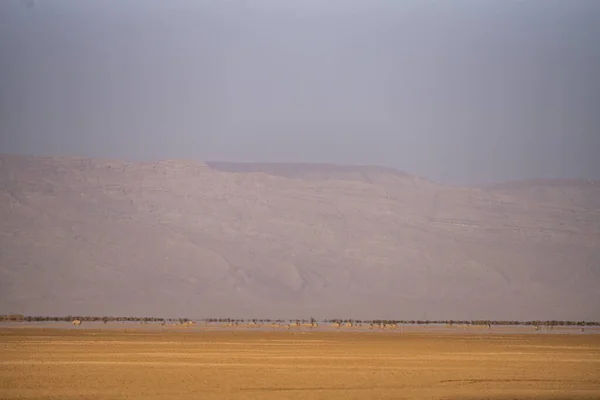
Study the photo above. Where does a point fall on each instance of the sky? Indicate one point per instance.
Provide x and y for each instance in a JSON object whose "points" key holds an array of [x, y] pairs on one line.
{"points": [[458, 91]]}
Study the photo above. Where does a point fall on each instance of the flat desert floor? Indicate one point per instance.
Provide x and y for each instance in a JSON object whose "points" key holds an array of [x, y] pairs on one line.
{"points": [[46, 363]]}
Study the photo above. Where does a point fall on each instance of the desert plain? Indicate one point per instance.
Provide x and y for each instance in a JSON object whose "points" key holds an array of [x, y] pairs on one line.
{"points": [[136, 363]]}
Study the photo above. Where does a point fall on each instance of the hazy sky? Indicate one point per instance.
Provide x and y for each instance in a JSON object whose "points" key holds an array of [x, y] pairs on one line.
{"points": [[458, 91]]}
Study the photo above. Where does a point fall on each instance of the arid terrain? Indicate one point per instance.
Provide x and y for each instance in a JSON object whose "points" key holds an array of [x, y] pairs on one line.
{"points": [[182, 238], [178, 364]]}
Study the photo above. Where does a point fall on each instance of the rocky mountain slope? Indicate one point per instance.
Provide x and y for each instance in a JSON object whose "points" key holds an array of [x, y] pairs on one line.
{"points": [[182, 238]]}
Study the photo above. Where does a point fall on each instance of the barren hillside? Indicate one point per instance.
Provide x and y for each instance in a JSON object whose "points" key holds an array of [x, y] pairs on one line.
{"points": [[102, 237]]}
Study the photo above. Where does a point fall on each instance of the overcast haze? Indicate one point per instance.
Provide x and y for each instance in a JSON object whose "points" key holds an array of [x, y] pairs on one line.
{"points": [[457, 91]]}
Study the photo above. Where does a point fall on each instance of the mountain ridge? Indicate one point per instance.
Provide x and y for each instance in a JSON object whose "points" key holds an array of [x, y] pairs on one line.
{"points": [[88, 236]]}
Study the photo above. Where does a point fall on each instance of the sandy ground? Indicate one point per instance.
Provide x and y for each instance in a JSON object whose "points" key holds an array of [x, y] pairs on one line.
{"points": [[47, 363]]}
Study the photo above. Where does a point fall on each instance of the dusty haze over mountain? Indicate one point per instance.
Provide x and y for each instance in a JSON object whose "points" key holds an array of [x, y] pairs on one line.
{"points": [[459, 91], [181, 238], [448, 98]]}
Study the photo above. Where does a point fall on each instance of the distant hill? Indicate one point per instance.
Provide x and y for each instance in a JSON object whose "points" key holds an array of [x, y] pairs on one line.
{"points": [[313, 172], [183, 238]]}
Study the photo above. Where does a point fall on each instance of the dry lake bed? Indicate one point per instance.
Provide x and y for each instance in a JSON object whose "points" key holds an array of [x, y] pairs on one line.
{"points": [[94, 363]]}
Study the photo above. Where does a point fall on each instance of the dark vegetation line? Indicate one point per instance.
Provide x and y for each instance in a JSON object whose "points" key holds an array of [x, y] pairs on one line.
{"points": [[105, 319]]}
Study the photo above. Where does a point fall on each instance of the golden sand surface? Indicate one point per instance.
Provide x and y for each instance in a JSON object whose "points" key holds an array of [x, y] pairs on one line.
{"points": [[50, 363]]}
